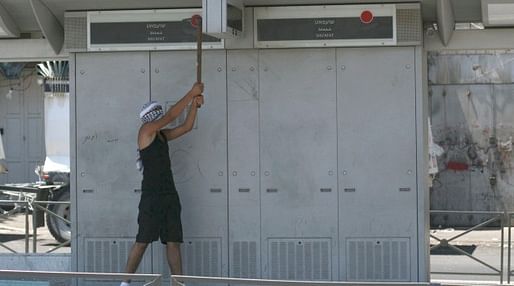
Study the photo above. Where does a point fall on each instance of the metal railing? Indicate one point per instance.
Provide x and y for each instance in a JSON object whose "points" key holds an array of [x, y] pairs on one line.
{"points": [[181, 280], [156, 279], [16, 275], [33, 205], [503, 218], [509, 247], [446, 242]]}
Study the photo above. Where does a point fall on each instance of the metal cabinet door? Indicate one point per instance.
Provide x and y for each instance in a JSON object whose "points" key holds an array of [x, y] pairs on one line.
{"points": [[199, 158], [243, 163], [298, 163], [110, 89], [34, 127], [377, 163], [22, 122], [13, 139]]}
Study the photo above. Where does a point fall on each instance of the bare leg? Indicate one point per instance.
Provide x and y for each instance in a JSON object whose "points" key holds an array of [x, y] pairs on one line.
{"points": [[135, 256], [174, 258]]}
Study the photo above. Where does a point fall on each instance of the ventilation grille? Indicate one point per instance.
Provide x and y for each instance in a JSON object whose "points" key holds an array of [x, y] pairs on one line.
{"points": [[201, 257], [110, 255], [408, 26], [300, 259], [75, 32], [244, 259], [380, 259]]}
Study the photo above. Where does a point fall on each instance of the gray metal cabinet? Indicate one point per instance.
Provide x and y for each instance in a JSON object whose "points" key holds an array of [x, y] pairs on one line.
{"points": [[377, 164], [243, 163], [198, 159], [302, 164], [298, 168], [110, 89]]}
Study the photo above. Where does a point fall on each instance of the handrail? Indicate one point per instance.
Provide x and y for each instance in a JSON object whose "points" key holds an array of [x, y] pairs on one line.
{"points": [[180, 279], [22, 274], [465, 212]]}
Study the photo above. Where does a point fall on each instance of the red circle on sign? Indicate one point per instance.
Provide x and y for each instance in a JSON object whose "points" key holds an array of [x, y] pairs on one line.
{"points": [[366, 17]]}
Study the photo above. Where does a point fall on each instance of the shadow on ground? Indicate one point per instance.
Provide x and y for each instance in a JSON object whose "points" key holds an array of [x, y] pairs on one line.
{"points": [[446, 250], [11, 237]]}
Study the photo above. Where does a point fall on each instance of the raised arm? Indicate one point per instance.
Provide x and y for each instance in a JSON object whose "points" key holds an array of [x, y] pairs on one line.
{"points": [[174, 111], [188, 124]]}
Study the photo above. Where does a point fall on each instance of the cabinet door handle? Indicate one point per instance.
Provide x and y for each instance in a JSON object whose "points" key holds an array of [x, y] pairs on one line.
{"points": [[325, 190], [271, 190], [404, 189], [349, 190], [89, 191], [244, 190], [215, 190]]}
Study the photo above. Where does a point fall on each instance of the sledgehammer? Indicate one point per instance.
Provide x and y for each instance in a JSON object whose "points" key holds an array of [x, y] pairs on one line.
{"points": [[196, 21]]}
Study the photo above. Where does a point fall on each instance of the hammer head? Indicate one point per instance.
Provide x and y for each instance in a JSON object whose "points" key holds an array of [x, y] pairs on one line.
{"points": [[196, 21], [190, 25]]}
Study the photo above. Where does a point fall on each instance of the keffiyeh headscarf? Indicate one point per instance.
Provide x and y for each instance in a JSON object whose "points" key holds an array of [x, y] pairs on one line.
{"points": [[150, 111]]}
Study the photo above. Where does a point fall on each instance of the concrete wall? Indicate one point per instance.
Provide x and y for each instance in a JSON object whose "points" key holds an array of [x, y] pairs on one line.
{"points": [[471, 96], [471, 101]]}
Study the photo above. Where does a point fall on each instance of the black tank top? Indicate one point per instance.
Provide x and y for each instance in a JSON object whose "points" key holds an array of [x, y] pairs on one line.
{"points": [[157, 176]]}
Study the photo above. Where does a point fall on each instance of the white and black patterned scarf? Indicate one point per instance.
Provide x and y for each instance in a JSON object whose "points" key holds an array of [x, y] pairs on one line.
{"points": [[150, 111]]}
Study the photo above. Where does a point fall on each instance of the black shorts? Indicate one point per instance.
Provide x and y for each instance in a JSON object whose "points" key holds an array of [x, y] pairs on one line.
{"points": [[159, 217]]}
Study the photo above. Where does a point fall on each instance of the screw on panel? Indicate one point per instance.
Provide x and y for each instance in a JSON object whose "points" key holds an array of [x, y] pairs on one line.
{"points": [[219, 69], [234, 173], [252, 68], [220, 173], [408, 67], [253, 173], [82, 71], [156, 70], [329, 68], [343, 67], [234, 69], [143, 70]]}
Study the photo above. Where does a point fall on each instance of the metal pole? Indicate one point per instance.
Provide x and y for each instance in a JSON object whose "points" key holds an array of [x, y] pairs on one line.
{"points": [[509, 249], [26, 228], [502, 224], [34, 230]]}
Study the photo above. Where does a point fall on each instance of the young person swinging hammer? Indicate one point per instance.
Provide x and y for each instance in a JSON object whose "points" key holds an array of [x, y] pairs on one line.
{"points": [[159, 207]]}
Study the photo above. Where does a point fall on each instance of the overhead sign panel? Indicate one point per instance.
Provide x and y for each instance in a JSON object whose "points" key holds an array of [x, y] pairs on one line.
{"points": [[497, 13], [144, 29], [319, 26], [223, 18]]}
